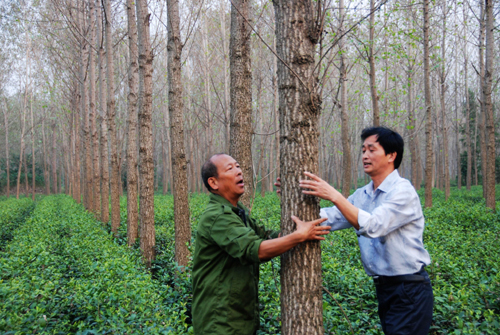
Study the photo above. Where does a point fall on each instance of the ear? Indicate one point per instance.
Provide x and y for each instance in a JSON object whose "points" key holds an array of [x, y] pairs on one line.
{"points": [[392, 157], [212, 181]]}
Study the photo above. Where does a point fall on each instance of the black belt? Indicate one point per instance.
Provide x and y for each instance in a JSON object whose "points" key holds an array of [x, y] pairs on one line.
{"points": [[383, 280]]}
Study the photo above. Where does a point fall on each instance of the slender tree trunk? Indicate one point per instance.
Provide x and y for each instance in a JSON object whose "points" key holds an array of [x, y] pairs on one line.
{"points": [[346, 145], [371, 61], [444, 127], [32, 148], [133, 84], [111, 113], [7, 158], [94, 140], [300, 107], [179, 164], [54, 159], [428, 127], [227, 115], [482, 118], [457, 130], [76, 148], [241, 96], [468, 179], [490, 121], [146, 164]]}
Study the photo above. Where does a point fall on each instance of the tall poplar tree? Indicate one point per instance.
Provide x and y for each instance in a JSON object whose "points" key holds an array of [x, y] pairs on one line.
{"points": [[297, 33]]}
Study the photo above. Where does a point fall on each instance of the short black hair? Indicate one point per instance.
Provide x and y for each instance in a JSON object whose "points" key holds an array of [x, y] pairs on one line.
{"points": [[390, 140], [209, 170]]}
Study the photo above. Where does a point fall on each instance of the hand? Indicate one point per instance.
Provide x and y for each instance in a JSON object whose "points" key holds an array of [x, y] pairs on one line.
{"points": [[278, 185], [310, 231], [318, 187]]}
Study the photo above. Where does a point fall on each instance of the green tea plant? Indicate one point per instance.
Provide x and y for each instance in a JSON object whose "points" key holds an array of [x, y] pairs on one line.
{"points": [[13, 212], [63, 273]]}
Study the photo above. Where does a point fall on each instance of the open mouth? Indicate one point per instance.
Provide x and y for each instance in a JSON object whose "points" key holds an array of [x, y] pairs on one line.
{"points": [[240, 182]]}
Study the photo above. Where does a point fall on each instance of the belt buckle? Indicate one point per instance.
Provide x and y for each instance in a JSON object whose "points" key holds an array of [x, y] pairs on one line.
{"points": [[376, 280]]}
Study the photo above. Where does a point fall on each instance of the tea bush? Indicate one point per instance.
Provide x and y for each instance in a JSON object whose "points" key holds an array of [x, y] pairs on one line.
{"points": [[63, 273], [12, 213]]}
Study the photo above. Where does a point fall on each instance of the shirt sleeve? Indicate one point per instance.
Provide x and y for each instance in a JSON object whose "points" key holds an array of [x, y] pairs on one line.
{"points": [[400, 207], [235, 238], [336, 219]]}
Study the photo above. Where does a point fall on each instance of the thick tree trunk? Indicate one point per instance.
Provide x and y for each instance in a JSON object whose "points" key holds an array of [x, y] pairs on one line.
{"points": [[299, 106], [241, 95], [132, 152], [428, 127], [179, 164], [490, 121], [111, 113], [371, 61], [146, 164]]}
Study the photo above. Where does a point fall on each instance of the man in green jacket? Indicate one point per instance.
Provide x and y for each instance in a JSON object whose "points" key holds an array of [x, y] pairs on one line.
{"points": [[229, 248]]}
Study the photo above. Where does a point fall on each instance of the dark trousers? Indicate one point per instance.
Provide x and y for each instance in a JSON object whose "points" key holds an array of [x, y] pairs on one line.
{"points": [[406, 308]]}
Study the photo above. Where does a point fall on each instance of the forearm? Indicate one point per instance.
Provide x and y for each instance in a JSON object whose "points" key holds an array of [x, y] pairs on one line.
{"points": [[275, 247], [347, 209]]}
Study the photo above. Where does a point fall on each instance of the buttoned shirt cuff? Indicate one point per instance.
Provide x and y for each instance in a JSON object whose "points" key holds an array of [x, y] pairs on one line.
{"points": [[363, 218]]}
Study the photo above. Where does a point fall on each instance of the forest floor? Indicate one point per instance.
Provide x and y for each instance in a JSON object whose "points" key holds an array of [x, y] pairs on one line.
{"points": [[62, 272]]}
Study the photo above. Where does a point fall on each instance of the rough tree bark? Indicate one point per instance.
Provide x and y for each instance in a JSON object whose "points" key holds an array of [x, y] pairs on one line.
{"points": [[297, 34], [32, 148], [240, 147], [490, 121], [133, 84], [146, 164], [179, 164], [468, 178], [111, 113]]}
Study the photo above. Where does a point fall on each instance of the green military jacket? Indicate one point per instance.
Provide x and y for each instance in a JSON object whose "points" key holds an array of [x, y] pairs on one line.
{"points": [[226, 270]]}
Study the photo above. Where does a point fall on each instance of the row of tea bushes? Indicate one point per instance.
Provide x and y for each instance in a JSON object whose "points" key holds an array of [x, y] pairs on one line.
{"points": [[63, 273], [13, 212]]}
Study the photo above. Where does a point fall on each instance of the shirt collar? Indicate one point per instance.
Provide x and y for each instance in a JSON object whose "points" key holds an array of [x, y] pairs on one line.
{"points": [[221, 200], [389, 181]]}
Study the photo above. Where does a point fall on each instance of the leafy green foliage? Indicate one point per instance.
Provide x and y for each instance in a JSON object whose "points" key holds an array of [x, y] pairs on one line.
{"points": [[12, 213], [63, 273], [57, 279]]}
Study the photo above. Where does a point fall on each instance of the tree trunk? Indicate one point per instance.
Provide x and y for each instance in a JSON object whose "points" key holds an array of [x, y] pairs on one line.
{"points": [[444, 127], [179, 164], [371, 61], [133, 84], [241, 96], [54, 159], [346, 145], [482, 115], [111, 112], [146, 164], [7, 159], [93, 138], [468, 179], [428, 127], [32, 148], [227, 116], [300, 107], [490, 121]]}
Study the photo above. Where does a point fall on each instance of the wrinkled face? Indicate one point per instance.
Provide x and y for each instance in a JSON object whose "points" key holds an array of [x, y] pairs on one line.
{"points": [[375, 161], [229, 184]]}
